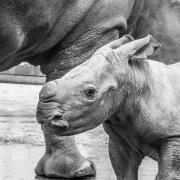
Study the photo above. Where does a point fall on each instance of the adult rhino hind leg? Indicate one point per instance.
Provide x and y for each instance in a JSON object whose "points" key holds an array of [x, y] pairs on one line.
{"points": [[124, 160], [169, 165], [63, 159]]}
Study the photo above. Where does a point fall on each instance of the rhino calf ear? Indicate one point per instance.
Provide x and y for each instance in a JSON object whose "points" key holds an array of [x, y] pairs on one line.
{"points": [[147, 47]]}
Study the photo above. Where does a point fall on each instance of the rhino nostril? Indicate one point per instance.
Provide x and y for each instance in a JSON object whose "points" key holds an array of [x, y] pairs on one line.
{"points": [[56, 116], [93, 166], [41, 121]]}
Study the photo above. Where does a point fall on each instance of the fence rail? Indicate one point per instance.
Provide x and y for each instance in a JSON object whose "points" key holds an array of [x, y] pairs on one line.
{"points": [[24, 74]]}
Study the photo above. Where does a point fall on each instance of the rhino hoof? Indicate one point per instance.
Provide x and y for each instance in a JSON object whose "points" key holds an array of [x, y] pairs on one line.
{"points": [[86, 170], [59, 165]]}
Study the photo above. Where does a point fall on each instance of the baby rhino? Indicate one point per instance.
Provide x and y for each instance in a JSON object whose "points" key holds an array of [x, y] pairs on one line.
{"points": [[136, 99]]}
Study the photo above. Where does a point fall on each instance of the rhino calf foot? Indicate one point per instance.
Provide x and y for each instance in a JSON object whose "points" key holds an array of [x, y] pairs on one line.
{"points": [[64, 165]]}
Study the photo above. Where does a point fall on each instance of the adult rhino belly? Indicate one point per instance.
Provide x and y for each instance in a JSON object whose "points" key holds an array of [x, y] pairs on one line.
{"points": [[23, 27]]}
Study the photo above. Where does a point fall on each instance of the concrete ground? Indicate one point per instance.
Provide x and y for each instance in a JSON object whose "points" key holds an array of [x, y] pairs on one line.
{"points": [[22, 143]]}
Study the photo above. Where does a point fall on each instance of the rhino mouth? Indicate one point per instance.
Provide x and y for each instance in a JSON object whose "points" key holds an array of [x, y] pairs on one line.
{"points": [[59, 131], [48, 112], [52, 118]]}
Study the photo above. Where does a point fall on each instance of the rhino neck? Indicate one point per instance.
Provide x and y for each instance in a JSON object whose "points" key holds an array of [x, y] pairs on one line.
{"points": [[66, 59], [161, 78], [134, 86], [132, 90]]}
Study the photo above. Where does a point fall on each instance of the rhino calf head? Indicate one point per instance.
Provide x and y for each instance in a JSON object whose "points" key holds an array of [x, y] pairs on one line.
{"points": [[92, 92]]}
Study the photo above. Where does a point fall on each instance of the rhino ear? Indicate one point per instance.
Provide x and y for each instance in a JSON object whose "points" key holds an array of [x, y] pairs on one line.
{"points": [[142, 48]]}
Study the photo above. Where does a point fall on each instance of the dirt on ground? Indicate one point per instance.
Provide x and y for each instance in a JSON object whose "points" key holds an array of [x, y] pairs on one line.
{"points": [[22, 143]]}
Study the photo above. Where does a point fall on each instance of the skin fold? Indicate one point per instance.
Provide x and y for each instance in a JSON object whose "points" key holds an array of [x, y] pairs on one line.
{"points": [[59, 35], [135, 98]]}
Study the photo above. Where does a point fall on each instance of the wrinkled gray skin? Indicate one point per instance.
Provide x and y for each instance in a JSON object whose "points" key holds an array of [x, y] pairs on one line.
{"points": [[137, 99], [61, 34]]}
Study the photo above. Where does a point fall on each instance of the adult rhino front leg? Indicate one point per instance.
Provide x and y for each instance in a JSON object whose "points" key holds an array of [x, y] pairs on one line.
{"points": [[62, 157]]}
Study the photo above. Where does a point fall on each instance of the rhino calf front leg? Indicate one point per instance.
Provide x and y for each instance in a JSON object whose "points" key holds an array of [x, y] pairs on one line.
{"points": [[125, 162], [62, 159], [169, 165]]}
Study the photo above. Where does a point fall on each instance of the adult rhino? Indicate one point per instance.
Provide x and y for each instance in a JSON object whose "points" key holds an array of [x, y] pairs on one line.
{"points": [[136, 99], [61, 34]]}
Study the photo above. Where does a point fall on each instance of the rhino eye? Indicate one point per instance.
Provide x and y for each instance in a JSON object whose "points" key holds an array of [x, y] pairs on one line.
{"points": [[89, 92]]}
